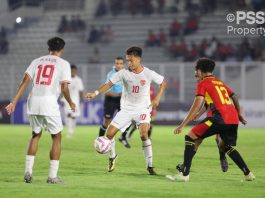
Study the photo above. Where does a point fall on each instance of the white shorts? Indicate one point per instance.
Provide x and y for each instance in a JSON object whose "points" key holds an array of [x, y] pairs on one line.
{"points": [[123, 119], [53, 124]]}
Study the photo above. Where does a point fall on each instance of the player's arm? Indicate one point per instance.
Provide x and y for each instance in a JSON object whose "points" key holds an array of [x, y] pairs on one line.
{"points": [[161, 89], [200, 112], [102, 89], [237, 106], [66, 94], [197, 103], [21, 88]]}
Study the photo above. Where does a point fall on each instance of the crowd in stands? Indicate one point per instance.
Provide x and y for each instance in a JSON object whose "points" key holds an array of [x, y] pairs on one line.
{"points": [[148, 7], [103, 34], [216, 50], [175, 29], [74, 24], [3, 41]]}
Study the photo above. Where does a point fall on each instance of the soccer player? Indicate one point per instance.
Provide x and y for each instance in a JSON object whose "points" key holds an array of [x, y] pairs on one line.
{"points": [[112, 97], [224, 120], [203, 109], [135, 103], [49, 74], [76, 89], [126, 136]]}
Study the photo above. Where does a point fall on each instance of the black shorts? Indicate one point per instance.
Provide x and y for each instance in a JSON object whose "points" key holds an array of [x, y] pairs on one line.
{"points": [[206, 128], [111, 106]]}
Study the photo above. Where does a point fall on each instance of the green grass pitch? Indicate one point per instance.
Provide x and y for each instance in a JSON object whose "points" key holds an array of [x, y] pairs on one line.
{"points": [[85, 172]]}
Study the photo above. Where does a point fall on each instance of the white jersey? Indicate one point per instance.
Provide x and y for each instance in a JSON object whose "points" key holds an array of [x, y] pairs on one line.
{"points": [[136, 88], [75, 87], [47, 74]]}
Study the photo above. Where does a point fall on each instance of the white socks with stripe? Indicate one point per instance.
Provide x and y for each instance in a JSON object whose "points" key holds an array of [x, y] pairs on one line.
{"points": [[148, 153]]}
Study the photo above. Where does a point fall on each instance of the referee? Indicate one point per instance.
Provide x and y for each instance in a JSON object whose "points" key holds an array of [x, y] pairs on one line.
{"points": [[112, 97]]}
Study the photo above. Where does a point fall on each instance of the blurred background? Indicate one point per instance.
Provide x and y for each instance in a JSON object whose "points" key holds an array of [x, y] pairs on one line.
{"points": [[172, 33]]}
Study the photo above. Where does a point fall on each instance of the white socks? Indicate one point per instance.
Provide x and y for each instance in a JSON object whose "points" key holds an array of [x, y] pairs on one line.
{"points": [[29, 163], [54, 166], [112, 149], [148, 153]]}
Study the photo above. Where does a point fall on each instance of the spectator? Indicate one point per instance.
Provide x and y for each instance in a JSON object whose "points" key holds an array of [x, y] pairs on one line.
{"points": [[211, 48], [101, 9], [175, 28], [192, 54], [116, 7], [108, 37], [172, 48], [161, 37], [147, 7], [151, 39], [94, 35], [160, 6], [202, 47], [64, 25], [133, 6], [191, 25], [4, 46]]}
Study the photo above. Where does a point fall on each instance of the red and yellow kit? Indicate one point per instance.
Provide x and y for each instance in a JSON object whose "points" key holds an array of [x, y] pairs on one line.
{"points": [[217, 97]]}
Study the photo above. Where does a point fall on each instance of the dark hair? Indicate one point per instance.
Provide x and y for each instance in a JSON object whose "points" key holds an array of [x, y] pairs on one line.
{"points": [[135, 51], [55, 44], [205, 65], [73, 66], [119, 58]]}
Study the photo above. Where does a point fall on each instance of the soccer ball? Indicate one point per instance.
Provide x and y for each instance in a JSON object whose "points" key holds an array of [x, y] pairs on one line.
{"points": [[102, 144]]}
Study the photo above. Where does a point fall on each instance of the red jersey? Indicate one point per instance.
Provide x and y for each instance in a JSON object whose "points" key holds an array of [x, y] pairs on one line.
{"points": [[217, 97]]}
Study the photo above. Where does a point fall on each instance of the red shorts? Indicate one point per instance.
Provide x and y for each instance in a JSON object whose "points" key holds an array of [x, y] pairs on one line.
{"points": [[202, 127], [206, 128]]}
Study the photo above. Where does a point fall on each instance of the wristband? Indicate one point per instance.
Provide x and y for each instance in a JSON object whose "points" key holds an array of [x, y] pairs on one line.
{"points": [[96, 92]]}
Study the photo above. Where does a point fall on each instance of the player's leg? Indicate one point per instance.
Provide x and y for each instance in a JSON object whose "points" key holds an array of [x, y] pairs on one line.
{"points": [[223, 160], [54, 126], [202, 130], [131, 131], [123, 137], [120, 122], [36, 123], [108, 115], [111, 132], [198, 142], [147, 147], [104, 126], [229, 137], [142, 119]]}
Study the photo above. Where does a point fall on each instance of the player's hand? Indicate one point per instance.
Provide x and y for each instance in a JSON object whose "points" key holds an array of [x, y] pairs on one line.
{"points": [[90, 96], [242, 119], [178, 129], [73, 107], [10, 108]]}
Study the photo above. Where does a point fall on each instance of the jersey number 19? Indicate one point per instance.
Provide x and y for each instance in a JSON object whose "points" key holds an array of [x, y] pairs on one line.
{"points": [[45, 73]]}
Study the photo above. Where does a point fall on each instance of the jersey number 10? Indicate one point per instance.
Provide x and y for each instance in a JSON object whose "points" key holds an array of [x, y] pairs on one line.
{"points": [[45, 73]]}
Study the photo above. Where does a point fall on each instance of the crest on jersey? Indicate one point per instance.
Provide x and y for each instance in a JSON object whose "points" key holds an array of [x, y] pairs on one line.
{"points": [[142, 82]]}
